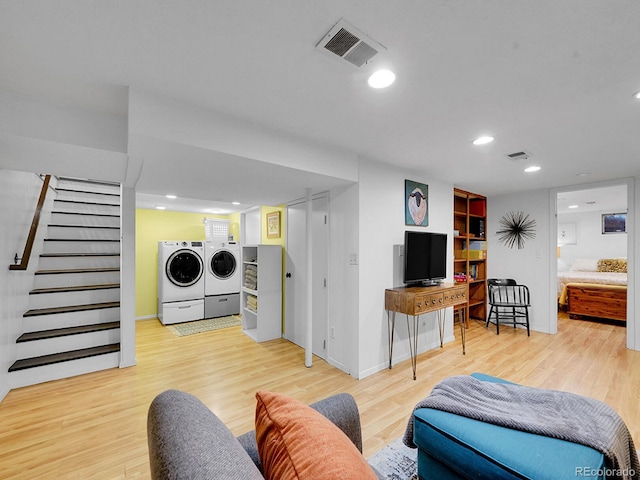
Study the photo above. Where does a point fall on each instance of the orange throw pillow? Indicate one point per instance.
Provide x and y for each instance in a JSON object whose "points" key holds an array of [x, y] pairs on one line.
{"points": [[296, 442]]}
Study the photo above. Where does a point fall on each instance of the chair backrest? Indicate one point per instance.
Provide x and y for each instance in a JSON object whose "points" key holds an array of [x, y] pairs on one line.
{"points": [[507, 292], [501, 281]]}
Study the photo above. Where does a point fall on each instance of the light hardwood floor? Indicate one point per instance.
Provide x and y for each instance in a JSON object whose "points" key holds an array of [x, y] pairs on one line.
{"points": [[94, 426]]}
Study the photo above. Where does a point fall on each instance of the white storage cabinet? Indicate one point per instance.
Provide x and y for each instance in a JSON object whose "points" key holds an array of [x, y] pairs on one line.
{"points": [[262, 291]]}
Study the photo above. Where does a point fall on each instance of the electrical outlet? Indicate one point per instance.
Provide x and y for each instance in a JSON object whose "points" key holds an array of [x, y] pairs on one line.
{"points": [[353, 259], [332, 333]]}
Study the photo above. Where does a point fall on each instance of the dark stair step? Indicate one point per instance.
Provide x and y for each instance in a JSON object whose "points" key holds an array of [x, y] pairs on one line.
{"points": [[84, 202], [64, 357], [77, 270], [87, 213], [84, 226], [76, 190], [70, 308], [80, 254], [80, 240], [77, 288], [90, 181], [63, 332]]}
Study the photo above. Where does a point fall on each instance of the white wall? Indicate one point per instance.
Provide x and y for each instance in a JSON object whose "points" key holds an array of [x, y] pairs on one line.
{"points": [[43, 138], [19, 193], [530, 265], [152, 116], [28, 117], [343, 278], [381, 226], [590, 242], [537, 271], [128, 278], [633, 249]]}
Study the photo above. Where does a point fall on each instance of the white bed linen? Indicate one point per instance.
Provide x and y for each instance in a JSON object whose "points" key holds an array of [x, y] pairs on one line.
{"points": [[601, 278]]}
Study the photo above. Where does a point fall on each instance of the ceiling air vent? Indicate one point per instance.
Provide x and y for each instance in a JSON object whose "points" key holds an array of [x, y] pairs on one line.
{"points": [[518, 156], [350, 44]]}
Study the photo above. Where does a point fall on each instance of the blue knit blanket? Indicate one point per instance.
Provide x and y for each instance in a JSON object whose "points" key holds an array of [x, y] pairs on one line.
{"points": [[553, 413]]}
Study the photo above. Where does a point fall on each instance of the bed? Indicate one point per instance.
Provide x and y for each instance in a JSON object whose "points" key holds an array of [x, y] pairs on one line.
{"points": [[594, 288]]}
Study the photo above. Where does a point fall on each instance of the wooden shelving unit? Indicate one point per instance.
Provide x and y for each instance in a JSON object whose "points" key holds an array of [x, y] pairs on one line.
{"points": [[470, 259]]}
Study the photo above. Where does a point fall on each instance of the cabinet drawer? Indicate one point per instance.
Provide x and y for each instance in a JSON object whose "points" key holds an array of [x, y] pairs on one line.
{"points": [[437, 300], [459, 295], [422, 304]]}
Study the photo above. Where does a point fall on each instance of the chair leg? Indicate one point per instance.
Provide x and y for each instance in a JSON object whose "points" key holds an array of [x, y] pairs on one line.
{"points": [[526, 316], [486, 324]]}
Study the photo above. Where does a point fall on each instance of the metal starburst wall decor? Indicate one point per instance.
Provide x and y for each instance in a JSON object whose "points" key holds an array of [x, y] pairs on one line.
{"points": [[516, 229]]}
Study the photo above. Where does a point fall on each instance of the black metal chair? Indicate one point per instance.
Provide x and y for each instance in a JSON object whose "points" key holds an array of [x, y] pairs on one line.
{"points": [[509, 303]]}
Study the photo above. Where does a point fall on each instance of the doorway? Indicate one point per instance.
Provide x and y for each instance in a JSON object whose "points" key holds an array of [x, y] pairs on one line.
{"points": [[296, 275], [589, 251]]}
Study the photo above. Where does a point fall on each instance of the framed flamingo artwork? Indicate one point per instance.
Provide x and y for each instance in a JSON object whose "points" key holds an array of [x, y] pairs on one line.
{"points": [[416, 203]]}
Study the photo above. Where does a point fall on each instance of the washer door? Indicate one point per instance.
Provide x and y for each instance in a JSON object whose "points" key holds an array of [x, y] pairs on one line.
{"points": [[222, 264], [184, 268]]}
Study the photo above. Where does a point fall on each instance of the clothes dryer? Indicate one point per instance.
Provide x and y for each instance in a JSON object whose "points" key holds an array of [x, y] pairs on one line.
{"points": [[181, 281], [222, 278]]}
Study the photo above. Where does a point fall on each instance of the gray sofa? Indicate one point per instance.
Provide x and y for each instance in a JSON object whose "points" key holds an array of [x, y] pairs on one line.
{"points": [[188, 441]]}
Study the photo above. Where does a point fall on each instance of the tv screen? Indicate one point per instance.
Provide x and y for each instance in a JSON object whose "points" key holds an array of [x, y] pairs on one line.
{"points": [[425, 257]]}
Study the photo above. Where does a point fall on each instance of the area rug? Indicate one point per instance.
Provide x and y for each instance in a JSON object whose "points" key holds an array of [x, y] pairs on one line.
{"points": [[396, 461], [200, 326]]}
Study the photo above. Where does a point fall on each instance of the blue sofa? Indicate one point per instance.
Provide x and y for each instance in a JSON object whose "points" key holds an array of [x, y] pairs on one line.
{"points": [[455, 447]]}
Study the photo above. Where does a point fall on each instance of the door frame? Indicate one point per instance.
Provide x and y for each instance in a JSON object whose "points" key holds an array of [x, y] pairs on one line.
{"points": [[633, 338]]}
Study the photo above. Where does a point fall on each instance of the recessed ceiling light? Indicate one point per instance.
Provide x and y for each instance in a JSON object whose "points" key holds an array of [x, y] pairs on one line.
{"points": [[382, 79], [160, 207], [573, 206], [636, 96], [171, 196], [235, 203], [533, 168], [483, 140], [582, 174]]}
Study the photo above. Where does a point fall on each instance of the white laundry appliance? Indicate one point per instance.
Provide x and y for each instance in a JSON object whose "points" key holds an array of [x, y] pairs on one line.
{"points": [[222, 278], [180, 281]]}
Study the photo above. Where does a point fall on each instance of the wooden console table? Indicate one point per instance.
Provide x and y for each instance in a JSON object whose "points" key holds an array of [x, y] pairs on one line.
{"points": [[415, 301]]}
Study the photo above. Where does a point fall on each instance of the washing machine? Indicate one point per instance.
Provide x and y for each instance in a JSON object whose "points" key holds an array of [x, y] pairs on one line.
{"points": [[222, 278], [181, 281]]}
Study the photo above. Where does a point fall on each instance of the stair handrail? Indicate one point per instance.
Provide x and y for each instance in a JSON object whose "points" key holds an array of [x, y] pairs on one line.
{"points": [[24, 261]]}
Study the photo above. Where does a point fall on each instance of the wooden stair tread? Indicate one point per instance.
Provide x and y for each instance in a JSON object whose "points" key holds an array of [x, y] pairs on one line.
{"points": [[57, 212], [59, 225], [63, 332], [70, 308], [77, 270], [75, 190], [76, 288], [80, 240], [82, 202], [64, 357], [79, 254]]}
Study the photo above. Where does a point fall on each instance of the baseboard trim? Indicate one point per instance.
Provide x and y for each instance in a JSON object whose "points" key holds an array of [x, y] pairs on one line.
{"points": [[146, 317], [3, 393]]}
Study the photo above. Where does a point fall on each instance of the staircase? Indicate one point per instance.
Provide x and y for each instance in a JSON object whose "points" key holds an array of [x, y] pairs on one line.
{"points": [[73, 323]]}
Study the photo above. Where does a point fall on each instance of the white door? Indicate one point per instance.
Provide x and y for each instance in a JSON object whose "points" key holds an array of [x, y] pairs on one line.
{"points": [[296, 276]]}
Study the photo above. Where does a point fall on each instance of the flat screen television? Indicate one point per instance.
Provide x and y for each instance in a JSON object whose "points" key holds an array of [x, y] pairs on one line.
{"points": [[425, 258]]}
